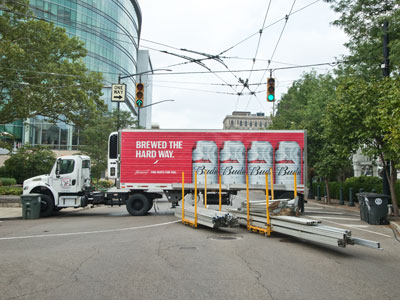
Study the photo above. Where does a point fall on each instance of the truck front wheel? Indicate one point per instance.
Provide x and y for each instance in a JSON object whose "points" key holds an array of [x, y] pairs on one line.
{"points": [[137, 205], [46, 206]]}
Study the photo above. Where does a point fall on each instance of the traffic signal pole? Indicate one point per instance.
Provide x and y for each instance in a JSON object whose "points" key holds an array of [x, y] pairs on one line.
{"points": [[119, 82]]}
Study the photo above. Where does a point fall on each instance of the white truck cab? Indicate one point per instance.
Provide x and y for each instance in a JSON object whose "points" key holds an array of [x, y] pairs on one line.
{"points": [[65, 186]]}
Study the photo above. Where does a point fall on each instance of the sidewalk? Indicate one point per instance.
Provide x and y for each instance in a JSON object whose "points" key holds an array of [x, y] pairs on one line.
{"points": [[10, 213], [11, 208], [394, 221]]}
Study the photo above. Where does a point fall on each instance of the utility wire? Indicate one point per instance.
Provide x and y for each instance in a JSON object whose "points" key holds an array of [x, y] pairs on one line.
{"points": [[259, 38], [276, 46], [199, 90], [270, 25], [332, 64], [245, 83]]}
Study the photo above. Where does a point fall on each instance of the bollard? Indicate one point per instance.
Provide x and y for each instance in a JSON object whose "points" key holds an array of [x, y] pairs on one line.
{"points": [[351, 202], [341, 202], [318, 193]]}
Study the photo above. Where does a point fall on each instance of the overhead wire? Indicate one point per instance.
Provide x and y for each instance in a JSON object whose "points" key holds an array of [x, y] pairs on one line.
{"points": [[245, 83], [199, 90], [270, 25], [214, 72], [276, 46], [332, 64]]}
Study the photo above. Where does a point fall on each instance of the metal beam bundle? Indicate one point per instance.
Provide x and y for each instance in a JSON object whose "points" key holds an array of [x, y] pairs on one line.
{"points": [[307, 229], [286, 206], [208, 217]]}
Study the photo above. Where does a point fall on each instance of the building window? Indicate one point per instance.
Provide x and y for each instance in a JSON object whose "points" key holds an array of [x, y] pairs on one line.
{"points": [[241, 123]]}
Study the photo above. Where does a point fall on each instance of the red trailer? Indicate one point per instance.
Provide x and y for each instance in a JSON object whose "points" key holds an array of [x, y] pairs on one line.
{"points": [[149, 163]]}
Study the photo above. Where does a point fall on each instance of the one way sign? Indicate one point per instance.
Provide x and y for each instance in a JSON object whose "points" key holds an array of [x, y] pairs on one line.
{"points": [[118, 93]]}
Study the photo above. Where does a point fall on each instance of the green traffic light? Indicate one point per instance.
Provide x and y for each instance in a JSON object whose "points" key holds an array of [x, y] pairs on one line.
{"points": [[271, 97]]}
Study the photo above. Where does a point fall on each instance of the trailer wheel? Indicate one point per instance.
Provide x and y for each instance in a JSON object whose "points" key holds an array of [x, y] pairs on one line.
{"points": [[137, 205], [46, 206]]}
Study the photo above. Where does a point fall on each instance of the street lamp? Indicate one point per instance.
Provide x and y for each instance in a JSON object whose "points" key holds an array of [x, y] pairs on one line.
{"points": [[158, 102], [131, 75]]}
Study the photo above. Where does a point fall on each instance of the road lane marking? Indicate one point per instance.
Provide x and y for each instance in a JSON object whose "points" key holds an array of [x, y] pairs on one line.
{"points": [[354, 225], [339, 218], [325, 212], [87, 232], [345, 225]]}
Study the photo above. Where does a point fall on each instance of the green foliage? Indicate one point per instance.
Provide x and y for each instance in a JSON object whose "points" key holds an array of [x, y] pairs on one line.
{"points": [[7, 190], [362, 21], [42, 71], [103, 184], [29, 161], [303, 107], [94, 138], [389, 112], [7, 181], [365, 112], [366, 183]]}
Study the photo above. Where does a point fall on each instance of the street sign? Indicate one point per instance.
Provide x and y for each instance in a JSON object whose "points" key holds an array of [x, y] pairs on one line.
{"points": [[118, 92]]}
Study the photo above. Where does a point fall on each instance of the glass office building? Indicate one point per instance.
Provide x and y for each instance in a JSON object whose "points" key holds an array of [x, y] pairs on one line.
{"points": [[110, 30]]}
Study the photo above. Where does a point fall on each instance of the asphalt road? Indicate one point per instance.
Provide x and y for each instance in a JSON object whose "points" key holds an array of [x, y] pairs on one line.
{"points": [[104, 253]]}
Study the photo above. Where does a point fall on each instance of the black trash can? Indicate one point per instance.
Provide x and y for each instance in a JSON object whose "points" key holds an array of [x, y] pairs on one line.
{"points": [[373, 208], [31, 206]]}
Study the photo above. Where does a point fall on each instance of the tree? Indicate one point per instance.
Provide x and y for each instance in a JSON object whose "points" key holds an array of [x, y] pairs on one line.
{"points": [[364, 96], [362, 21], [303, 107], [29, 161], [42, 71], [355, 120], [94, 138]]}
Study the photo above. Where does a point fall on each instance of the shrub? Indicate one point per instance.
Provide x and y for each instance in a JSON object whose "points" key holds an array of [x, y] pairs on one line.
{"points": [[29, 161], [104, 184], [7, 181], [6, 190], [366, 183]]}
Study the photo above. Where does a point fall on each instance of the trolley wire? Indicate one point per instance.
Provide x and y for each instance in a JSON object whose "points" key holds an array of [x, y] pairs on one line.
{"points": [[276, 47]]}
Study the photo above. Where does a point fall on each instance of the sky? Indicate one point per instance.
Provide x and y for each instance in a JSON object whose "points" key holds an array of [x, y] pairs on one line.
{"points": [[231, 29]]}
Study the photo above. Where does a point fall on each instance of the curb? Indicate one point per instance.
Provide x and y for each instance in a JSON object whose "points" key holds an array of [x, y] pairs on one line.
{"points": [[395, 226], [10, 201]]}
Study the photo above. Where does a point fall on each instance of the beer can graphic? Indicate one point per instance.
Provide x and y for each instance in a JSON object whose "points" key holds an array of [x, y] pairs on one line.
{"points": [[205, 157], [288, 162], [259, 161], [232, 163]]}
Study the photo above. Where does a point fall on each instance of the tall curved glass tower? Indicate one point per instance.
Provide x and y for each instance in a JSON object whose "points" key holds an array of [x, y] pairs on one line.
{"points": [[110, 30]]}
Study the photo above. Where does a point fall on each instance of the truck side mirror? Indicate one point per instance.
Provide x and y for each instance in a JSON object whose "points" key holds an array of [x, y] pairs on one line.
{"points": [[58, 167]]}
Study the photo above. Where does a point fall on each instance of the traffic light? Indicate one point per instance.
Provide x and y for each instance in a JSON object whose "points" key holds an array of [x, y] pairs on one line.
{"points": [[271, 90], [139, 96]]}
